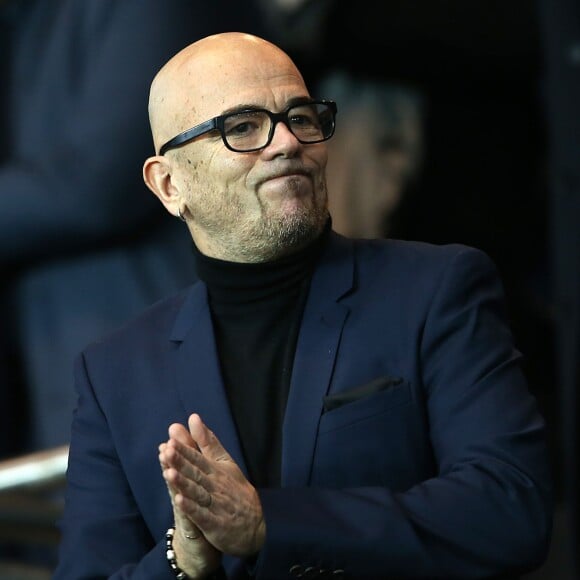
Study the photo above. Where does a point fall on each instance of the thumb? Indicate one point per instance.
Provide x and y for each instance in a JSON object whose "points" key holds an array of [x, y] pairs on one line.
{"points": [[208, 443]]}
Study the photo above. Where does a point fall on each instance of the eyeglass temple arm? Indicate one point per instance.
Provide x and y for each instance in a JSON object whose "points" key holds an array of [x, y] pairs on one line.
{"points": [[188, 135]]}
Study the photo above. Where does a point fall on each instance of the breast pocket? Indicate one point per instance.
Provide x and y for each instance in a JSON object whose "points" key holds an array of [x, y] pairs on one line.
{"points": [[378, 439], [364, 401]]}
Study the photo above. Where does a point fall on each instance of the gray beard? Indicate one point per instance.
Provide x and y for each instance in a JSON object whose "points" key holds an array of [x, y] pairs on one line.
{"points": [[273, 238]]}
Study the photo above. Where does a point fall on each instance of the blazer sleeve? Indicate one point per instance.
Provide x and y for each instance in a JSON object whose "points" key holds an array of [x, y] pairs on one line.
{"points": [[104, 533], [487, 511]]}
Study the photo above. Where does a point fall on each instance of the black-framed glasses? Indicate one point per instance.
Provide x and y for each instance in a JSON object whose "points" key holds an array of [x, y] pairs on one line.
{"points": [[252, 129]]}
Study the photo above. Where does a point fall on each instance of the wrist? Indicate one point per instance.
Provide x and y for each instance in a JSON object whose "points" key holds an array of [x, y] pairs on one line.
{"points": [[216, 574], [170, 555]]}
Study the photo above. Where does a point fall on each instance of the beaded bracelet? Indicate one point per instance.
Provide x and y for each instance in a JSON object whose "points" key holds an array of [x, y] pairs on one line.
{"points": [[170, 555], [219, 574]]}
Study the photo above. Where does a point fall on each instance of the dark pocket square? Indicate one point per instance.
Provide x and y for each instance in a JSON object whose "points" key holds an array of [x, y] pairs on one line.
{"points": [[331, 402]]}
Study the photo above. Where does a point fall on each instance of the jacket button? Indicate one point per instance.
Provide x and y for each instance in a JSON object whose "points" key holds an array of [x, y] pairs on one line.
{"points": [[297, 571]]}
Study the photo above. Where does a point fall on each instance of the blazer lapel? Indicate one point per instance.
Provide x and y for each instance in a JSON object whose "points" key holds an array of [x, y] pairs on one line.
{"points": [[316, 349], [198, 376]]}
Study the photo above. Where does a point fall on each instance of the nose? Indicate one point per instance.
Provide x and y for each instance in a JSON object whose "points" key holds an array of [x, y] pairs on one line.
{"points": [[283, 139]]}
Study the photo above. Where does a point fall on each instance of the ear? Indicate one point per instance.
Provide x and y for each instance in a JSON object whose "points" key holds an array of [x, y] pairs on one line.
{"points": [[157, 177]]}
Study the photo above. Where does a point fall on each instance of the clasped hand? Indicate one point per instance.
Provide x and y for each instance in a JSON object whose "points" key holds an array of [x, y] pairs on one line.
{"points": [[216, 509]]}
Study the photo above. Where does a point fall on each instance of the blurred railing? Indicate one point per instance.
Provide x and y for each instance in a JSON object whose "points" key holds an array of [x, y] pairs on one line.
{"points": [[30, 504]]}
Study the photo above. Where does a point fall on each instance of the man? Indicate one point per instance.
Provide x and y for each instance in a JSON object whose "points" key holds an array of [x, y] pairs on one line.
{"points": [[336, 408]]}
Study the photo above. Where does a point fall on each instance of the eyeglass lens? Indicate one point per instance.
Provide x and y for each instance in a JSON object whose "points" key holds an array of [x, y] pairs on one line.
{"points": [[247, 130]]}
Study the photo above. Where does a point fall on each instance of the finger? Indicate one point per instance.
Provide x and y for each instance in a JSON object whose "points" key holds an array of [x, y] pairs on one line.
{"points": [[189, 483], [176, 472], [197, 506], [208, 443], [185, 459], [189, 530], [189, 494], [180, 433], [185, 526], [163, 455], [198, 491], [168, 456]]}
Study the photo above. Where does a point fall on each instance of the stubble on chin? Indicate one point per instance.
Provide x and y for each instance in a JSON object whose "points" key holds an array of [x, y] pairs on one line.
{"points": [[276, 230], [283, 230], [277, 236]]}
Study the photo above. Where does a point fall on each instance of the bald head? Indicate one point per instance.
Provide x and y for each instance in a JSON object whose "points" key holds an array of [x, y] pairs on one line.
{"points": [[208, 76]]}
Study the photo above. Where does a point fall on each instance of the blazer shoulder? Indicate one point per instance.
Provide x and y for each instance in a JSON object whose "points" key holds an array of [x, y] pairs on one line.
{"points": [[152, 324], [396, 256]]}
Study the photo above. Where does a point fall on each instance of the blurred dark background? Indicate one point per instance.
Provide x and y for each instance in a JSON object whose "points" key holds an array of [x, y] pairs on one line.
{"points": [[459, 121]]}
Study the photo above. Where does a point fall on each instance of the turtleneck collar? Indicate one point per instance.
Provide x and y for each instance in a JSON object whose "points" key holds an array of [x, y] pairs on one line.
{"points": [[245, 283]]}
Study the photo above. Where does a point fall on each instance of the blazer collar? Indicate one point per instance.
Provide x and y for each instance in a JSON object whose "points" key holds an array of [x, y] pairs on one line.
{"points": [[318, 341], [197, 371]]}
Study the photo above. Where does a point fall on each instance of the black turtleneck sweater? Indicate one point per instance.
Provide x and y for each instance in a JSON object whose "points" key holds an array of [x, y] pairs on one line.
{"points": [[256, 311]]}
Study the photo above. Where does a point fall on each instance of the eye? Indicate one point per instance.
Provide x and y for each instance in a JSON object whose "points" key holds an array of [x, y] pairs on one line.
{"points": [[305, 123], [244, 124], [304, 119], [240, 128]]}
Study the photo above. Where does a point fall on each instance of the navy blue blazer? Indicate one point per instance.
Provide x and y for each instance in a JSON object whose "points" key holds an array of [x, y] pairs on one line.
{"points": [[411, 445]]}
